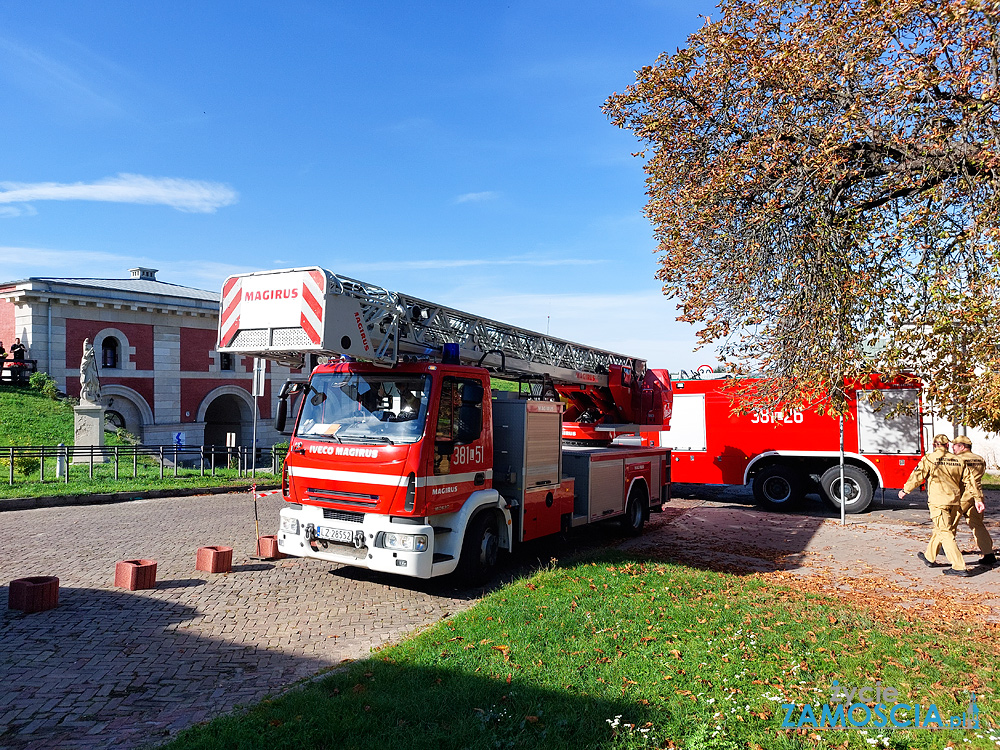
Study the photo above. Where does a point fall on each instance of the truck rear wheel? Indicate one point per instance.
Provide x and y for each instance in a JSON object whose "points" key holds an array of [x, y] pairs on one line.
{"points": [[777, 487], [858, 488], [635, 512], [480, 549]]}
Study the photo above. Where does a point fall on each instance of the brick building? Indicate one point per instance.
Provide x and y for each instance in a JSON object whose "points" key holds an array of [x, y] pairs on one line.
{"points": [[155, 345]]}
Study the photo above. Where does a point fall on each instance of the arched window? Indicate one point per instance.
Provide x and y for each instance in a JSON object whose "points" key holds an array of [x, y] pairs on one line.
{"points": [[109, 352], [115, 420]]}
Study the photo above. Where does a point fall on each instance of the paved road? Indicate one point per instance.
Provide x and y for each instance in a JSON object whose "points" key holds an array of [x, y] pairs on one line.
{"points": [[112, 668]]}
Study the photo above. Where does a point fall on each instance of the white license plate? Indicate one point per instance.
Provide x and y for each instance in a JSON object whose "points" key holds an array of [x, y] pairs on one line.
{"points": [[333, 534]]}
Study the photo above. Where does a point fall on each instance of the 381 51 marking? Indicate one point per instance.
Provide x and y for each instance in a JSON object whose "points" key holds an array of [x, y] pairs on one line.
{"points": [[468, 454]]}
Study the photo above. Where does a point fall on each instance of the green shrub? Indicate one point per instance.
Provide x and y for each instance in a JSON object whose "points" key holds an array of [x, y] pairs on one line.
{"points": [[38, 379], [44, 383], [27, 465]]}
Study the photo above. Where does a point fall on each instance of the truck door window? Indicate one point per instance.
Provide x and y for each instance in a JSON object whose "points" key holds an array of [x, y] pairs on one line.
{"points": [[459, 413]]}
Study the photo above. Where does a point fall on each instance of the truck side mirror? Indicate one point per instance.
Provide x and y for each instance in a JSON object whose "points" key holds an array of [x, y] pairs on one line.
{"points": [[470, 424], [472, 393], [282, 415], [288, 388], [470, 414]]}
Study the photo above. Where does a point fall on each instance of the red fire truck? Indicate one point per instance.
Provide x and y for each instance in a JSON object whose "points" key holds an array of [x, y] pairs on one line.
{"points": [[787, 454], [400, 459]]}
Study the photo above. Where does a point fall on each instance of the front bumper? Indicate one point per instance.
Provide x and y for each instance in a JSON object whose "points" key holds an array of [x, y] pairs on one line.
{"points": [[366, 532]]}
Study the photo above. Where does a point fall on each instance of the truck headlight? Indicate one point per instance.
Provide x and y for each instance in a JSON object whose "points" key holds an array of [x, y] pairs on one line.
{"points": [[289, 525], [405, 542]]}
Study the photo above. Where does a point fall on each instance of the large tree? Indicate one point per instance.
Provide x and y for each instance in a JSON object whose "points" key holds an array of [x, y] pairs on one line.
{"points": [[823, 183]]}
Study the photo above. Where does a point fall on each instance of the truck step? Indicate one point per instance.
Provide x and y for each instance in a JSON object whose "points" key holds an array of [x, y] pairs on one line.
{"points": [[440, 557], [442, 530]]}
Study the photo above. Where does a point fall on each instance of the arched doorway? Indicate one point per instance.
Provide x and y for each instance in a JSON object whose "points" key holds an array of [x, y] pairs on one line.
{"points": [[224, 423], [125, 409]]}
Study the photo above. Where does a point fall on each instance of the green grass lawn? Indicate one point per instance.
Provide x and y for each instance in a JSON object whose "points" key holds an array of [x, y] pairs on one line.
{"points": [[618, 653], [29, 418]]}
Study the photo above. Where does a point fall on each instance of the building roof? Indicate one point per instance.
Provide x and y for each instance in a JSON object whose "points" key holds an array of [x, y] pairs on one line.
{"points": [[141, 290], [140, 286]]}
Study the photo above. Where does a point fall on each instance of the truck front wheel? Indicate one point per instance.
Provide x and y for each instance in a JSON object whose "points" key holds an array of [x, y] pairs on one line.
{"points": [[857, 488], [480, 549], [777, 487]]}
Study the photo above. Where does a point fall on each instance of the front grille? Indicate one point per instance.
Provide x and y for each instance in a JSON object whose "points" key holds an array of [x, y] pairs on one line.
{"points": [[342, 515], [336, 496]]}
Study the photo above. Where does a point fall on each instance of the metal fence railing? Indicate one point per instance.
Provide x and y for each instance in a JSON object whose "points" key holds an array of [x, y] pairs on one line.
{"points": [[76, 459]]}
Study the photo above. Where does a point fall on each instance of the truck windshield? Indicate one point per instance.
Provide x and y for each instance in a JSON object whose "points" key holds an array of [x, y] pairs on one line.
{"points": [[365, 407]]}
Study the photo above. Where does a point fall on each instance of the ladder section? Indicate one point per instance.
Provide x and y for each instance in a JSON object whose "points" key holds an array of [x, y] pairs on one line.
{"points": [[281, 314]]}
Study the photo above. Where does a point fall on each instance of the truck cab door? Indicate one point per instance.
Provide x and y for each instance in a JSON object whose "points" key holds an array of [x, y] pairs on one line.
{"points": [[462, 444]]}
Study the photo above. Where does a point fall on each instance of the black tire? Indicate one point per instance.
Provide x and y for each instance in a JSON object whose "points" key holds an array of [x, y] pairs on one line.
{"points": [[636, 510], [778, 488], [480, 549], [858, 484]]}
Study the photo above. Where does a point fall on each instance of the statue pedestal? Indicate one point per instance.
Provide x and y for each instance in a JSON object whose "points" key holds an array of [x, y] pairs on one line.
{"points": [[88, 429]]}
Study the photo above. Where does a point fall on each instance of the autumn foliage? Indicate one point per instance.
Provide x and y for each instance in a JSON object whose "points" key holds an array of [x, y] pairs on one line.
{"points": [[822, 181]]}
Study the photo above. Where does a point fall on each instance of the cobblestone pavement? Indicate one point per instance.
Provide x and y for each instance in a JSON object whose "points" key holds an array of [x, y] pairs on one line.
{"points": [[113, 668]]}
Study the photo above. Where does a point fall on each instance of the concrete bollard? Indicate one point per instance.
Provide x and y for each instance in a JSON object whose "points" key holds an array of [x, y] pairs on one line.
{"points": [[267, 547], [135, 574], [214, 559], [33, 594], [61, 461]]}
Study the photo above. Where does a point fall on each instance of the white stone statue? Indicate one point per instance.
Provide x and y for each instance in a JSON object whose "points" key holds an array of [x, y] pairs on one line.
{"points": [[90, 383]]}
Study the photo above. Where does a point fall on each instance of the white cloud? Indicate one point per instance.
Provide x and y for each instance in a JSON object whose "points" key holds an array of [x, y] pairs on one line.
{"points": [[194, 196], [486, 195]]}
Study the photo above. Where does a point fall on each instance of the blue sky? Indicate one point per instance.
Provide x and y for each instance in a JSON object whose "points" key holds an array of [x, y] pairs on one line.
{"points": [[453, 151]]}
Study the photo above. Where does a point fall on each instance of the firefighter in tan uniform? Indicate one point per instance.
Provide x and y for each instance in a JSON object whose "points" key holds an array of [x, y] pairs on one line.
{"points": [[972, 503], [947, 478]]}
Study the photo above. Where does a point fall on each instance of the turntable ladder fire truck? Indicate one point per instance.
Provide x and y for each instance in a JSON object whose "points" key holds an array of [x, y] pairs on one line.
{"points": [[400, 460]]}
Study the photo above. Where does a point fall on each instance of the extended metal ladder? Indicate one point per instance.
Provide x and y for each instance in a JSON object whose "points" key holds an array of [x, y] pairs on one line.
{"points": [[399, 325]]}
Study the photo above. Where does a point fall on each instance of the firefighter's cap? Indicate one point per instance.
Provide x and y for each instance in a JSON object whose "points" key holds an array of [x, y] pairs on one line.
{"points": [[941, 440], [963, 439]]}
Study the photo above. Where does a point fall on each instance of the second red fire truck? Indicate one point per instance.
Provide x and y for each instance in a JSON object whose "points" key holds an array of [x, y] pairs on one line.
{"points": [[786, 454]]}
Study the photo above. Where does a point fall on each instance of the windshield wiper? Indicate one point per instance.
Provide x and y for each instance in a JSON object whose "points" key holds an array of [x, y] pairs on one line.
{"points": [[368, 439], [319, 437]]}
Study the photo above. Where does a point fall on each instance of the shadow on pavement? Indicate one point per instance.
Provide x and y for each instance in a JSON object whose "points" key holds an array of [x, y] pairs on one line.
{"points": [[252, 567], [180, 583], [118, 669]]}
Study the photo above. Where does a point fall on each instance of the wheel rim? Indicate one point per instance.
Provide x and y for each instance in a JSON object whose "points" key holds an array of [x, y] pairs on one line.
{"points": [[488, 548], [853, 491], [777, 489]]}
